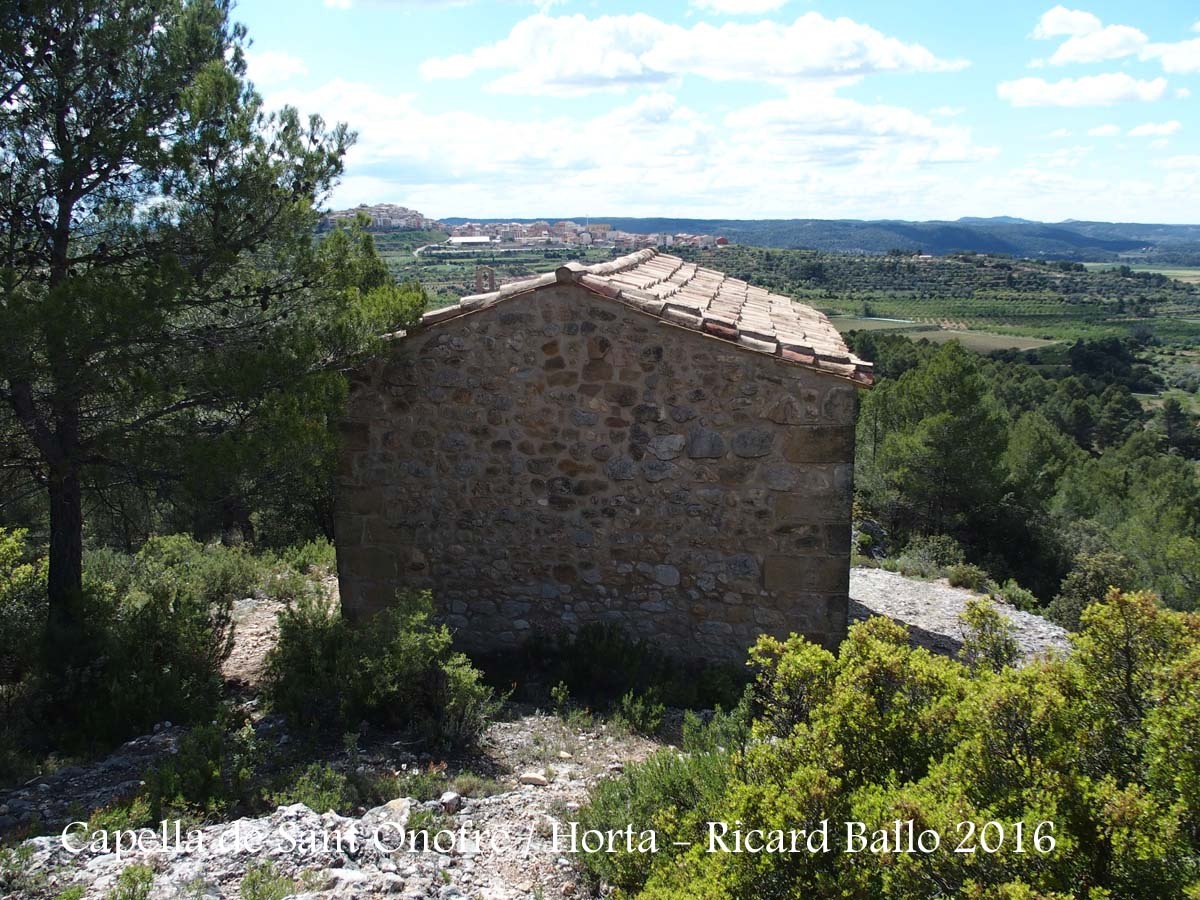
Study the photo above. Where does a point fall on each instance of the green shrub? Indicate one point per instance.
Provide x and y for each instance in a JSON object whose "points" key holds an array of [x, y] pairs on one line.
{"points": [[395, 670], [927, 556], [988, 637], [318, 786], [262, 881], [154, 634], [286, 585], [1016, 596], [915, 567], [471, 784], [938, 551], [560, 697], [318, 555], [22, 623], [210, 774], [22, 606], [1099, 745], [151, 633], [723, 731], [967, 576], [17, 877], [648, 795], [641, 713], [134, 883], [419, 783], [864, 543], [1087, 583], [121, 816]]}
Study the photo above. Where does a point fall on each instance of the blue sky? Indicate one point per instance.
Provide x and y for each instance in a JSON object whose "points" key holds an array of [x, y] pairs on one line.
{"points": [[751, 109]]}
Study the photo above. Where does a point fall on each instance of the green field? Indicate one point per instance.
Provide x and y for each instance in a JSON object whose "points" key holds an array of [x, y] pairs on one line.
{"points": [[449, 278], [1178, 273], [983, 341], [979, 341]]}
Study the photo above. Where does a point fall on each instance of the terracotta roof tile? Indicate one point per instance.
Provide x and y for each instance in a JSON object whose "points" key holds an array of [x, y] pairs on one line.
{"points": [[701, 299]]}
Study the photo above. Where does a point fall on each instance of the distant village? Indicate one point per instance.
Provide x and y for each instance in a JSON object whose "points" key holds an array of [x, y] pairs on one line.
{"points": [[472, 237]]}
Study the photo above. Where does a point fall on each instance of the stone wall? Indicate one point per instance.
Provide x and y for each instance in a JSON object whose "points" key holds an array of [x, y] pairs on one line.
{"points": [[559, 458]]}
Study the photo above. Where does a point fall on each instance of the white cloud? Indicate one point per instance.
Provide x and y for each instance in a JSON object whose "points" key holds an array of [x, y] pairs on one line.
{"points": [[1060, 133], [338, 4], [1088, 40], [820, 128], [1187, 161], [571, 55], [1180, 58], [1061, 21], [810, 152], [273, 67], [1104, 131], [1196, 26], [1156, 129], [1182, 93], [1110, 42], [739, 7], [948, 112], [1063, 158], [1090, 90]]}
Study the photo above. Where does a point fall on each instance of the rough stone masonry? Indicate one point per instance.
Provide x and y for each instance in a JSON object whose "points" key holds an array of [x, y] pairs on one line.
{"points": [[641, 442]]}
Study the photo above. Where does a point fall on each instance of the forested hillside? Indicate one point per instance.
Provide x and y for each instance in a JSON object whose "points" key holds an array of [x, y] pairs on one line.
{"points": [[1094, 241], [1042, 472]]}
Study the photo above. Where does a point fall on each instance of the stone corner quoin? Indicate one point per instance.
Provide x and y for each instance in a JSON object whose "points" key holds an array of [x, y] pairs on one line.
{"points": [[561, 458]]}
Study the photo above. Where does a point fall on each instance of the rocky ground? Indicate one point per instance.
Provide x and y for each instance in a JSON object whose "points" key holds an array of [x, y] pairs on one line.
{"points": [[513, 843], [931, 610]]}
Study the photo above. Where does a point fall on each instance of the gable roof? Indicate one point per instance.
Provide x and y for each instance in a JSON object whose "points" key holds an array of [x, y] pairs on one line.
{"points": [[701, 299]]}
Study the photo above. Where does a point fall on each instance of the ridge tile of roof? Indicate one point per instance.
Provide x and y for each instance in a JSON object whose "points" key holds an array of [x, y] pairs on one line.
{"points": [[701, 299]]}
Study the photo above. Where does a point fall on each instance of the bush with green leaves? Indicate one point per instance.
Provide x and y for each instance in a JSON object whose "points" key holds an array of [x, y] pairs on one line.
{"points": [[968, 576], [22, 605], [263, 881], [318, 554], [17, 875], [1016, 596], [318, 786], [989, 638], [211, 775], [1089, 579], [396, 671], [649, 793], [22, 623], [938, 551], [641, 713], [1099, 744], [154, 630], [134, 883]]}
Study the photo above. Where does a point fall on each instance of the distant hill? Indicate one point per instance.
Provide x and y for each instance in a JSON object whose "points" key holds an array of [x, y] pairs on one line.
{"points": [[1082, 241]]}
